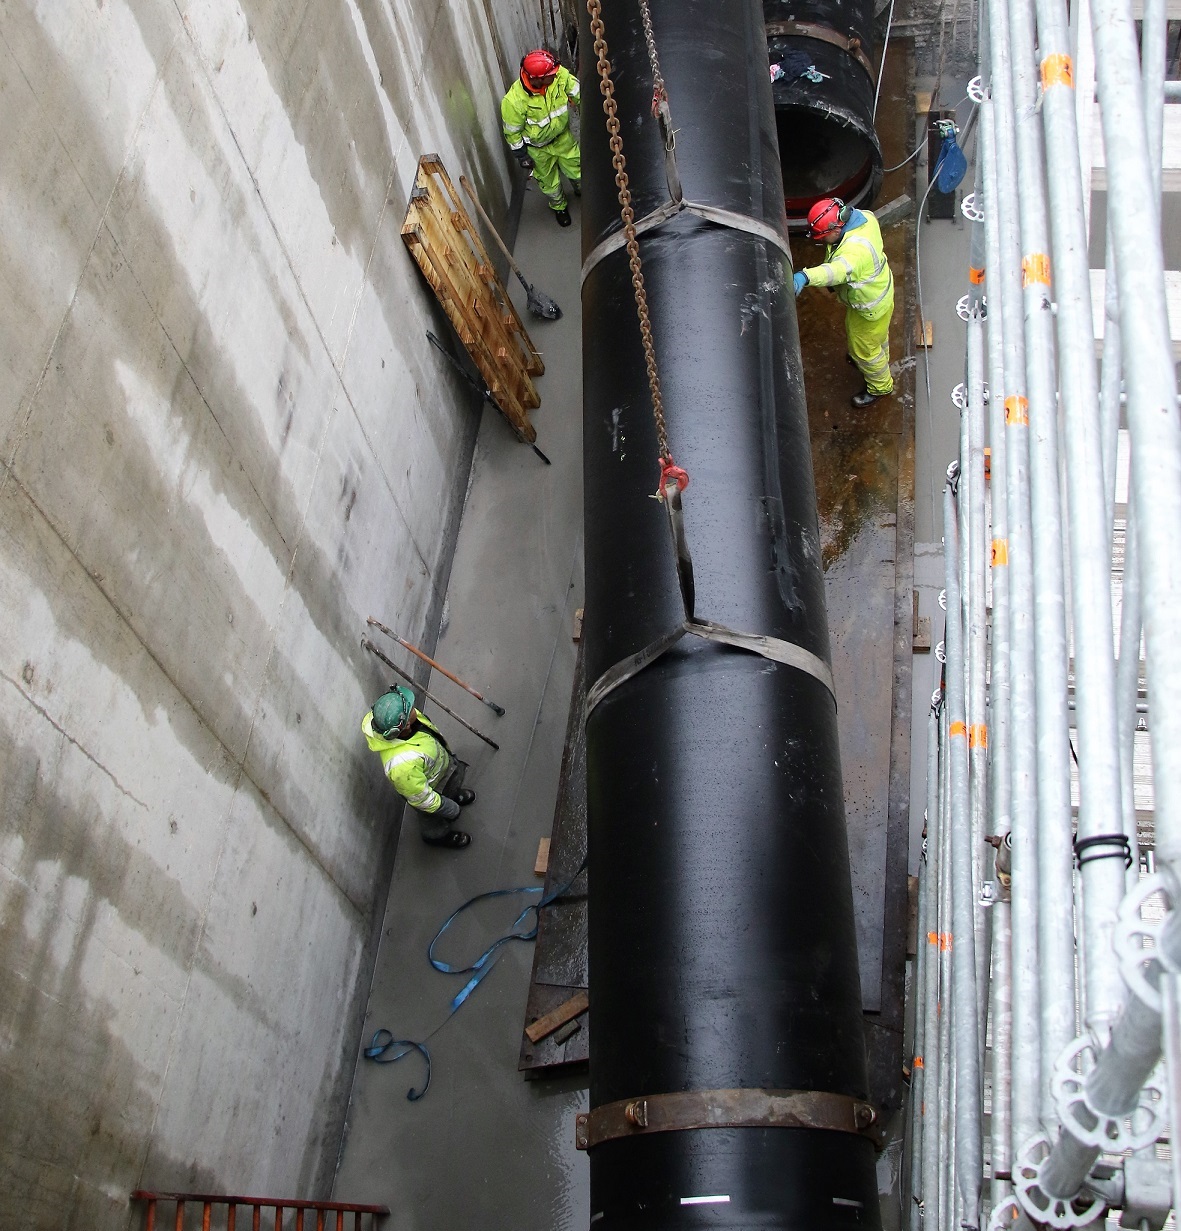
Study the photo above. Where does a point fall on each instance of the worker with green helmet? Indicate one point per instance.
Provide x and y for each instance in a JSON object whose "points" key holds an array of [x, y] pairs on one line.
{"points": [[855, 266], [535, 118], [416, 759]]}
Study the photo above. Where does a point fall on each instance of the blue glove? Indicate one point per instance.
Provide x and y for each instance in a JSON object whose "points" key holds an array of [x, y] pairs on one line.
{"points": [[800, 281]]}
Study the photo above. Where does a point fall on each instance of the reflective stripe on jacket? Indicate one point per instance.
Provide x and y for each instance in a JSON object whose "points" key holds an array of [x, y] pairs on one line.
{"points": [[536, 119], [416, 766], [857, 265]]}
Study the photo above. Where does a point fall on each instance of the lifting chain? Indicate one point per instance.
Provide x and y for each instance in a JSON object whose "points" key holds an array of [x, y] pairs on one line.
{"points": [[627, 214]]}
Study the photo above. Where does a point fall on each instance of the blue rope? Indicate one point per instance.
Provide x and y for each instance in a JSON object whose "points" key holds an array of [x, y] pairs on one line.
{"points": [[383, 1041]]}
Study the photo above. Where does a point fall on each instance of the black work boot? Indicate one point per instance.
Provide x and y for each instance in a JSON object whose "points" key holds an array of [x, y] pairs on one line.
{"points": [[865, 398], [563, 217], [577, 186], [464, 796]]}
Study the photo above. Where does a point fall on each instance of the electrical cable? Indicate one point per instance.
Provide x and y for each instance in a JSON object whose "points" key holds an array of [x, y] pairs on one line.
{"points": [[882, 66], [922, 144]]}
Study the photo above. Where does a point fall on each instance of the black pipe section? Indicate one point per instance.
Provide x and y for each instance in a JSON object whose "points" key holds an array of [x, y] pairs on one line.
{"points": [[824, 100], [721, 945]]}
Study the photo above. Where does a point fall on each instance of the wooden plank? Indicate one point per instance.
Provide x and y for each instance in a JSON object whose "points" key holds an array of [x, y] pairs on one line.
{"points": [[541, 863], [924, 334], [577, 634], [1172, 300], [448, 250], [572, 1008], [443, 191]]}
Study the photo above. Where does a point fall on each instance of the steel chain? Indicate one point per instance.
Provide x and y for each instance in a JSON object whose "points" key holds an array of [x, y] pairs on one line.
{"points": [[627, 214], [659, 94]]}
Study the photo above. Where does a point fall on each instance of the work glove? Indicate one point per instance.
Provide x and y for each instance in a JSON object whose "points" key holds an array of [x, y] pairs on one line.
{"points": [[525, 160], [800, 281]]}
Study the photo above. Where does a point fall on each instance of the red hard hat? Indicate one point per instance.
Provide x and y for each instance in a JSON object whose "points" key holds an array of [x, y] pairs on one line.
{"points": [[827, 215], [538, 69]]}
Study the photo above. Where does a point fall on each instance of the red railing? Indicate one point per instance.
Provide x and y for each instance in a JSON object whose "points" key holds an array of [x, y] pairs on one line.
{"points": [[208, 1201]]}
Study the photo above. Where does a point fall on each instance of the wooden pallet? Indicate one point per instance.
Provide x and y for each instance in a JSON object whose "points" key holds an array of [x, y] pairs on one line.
{"points": [[443, 241]]}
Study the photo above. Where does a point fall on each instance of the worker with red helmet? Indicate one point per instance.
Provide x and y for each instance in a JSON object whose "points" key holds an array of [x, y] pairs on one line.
{"points": [[535, 115], [855, 263]]}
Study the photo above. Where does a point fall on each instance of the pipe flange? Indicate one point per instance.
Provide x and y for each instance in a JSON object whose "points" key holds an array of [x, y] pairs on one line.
{"points": [[1136, 937], [1062, 1213], [976, 90], [959, 396], [1004, 1215], [1132, 1130], [970, 210]]}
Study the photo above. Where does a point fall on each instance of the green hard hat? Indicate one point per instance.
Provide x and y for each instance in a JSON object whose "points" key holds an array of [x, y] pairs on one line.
{"points": [[392, 710]]}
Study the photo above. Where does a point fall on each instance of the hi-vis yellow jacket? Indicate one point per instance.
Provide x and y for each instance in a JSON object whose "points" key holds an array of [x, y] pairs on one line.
{"points": [[858, 266], [537, 119], [416, 766]]}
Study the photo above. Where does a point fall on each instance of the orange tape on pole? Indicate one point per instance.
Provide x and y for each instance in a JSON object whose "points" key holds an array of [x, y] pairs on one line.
{"points": [[1000, 552], [1017, 412], [975, 276], [978, 735], [957, 728], [1057, 70], [1035, 269]]}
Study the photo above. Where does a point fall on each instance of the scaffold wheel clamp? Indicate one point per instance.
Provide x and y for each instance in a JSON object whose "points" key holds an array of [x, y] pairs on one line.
{"points": [[970, 210], [1132, 1130], [1062, 1213], [1136, 937]]}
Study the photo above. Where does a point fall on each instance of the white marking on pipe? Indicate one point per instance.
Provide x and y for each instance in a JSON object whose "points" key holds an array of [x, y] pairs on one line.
{"points": [[718, 1200]]}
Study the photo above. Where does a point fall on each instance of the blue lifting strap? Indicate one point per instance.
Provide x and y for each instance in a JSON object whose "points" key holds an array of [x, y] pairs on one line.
{"points": [[383, 1041]]}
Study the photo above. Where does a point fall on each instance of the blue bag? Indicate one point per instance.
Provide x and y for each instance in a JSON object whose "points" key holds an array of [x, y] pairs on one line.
{"points": [[951, 166]]}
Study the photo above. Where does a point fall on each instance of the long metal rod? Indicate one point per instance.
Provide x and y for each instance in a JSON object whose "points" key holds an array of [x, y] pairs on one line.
{"points": [[930, 947], [1055, 889], [969, 1154], [1026, 1077], [1001, 986], [430, 662], [393, 666], [1154, 429], [947, 1200], [977, 655], [1089, 538], [923, 994]]}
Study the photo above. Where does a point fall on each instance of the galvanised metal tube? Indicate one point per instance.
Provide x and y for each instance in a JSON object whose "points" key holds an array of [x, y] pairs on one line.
{"points": [[998, 735], [1134, 1047], [1090, 532], [1026, 1079], [721, 923], [1155, 430], [933, 1067], [1111, 388], [947, 1197], [924, 1073], [1001, 989], [1128, 690], [977, 654], [1055, 822], [969, 1153], [1001, 983]]}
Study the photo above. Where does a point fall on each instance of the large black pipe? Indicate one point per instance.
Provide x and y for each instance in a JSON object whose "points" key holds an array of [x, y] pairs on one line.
{"points": [[824, 100], [722, 948]]}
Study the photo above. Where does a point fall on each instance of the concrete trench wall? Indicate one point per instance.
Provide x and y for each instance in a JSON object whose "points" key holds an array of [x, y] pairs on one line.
{"points": [[225, 442]]}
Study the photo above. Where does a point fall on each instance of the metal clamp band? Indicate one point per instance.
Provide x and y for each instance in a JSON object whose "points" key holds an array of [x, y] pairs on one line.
{"points": [[670, 209], [692, 1109], [824, 34], [786, 652]]}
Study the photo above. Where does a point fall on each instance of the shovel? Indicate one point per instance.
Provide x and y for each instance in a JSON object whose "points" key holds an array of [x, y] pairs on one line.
{"points": [[539, 303]]}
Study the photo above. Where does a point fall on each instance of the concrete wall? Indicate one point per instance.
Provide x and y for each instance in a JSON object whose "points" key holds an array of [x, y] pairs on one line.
{"points": [[225, 442]]}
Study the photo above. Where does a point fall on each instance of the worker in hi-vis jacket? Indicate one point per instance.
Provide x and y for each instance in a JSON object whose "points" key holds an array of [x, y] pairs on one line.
{"points": [[416, 759], [535, 114], [856, 265]]}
